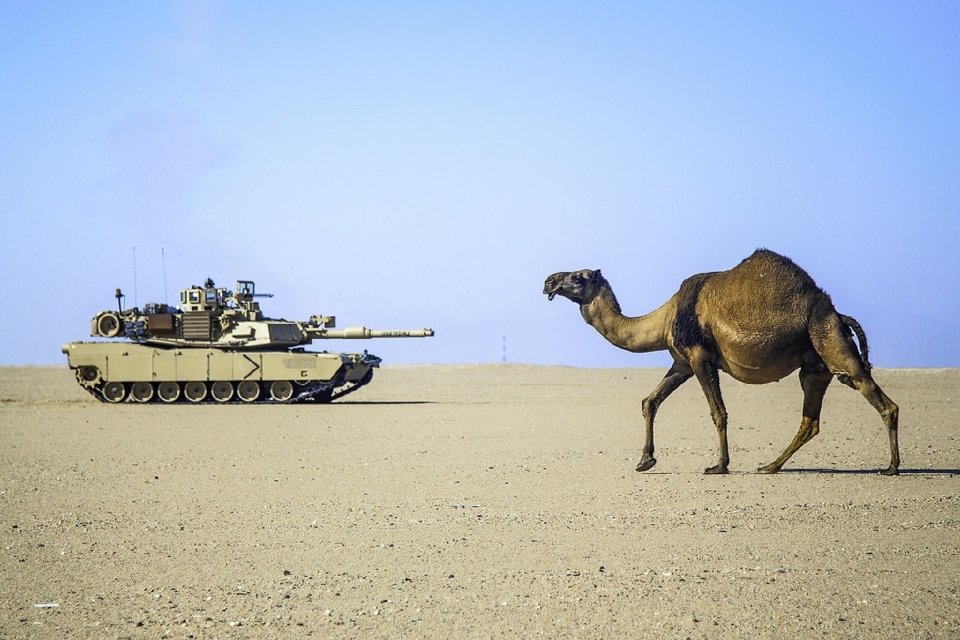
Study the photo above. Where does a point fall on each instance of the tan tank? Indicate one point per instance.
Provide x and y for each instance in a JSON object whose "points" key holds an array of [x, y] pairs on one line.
{"points": [[218, 347]]}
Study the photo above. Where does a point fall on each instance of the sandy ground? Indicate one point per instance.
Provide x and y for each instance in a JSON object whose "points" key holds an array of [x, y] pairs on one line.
{"points": [[477, 501]]}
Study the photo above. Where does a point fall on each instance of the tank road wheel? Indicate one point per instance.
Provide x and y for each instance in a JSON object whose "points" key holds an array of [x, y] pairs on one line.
{"points": [[281, 390], [221, 391], [168, 391], [195, 391], [114, 391], [88, 374], [248, 390], [142, 391]]}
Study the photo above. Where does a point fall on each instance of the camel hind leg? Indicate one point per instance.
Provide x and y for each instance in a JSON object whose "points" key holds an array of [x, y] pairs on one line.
{"points": [[836, 347], [889, 412], [814, 384]]}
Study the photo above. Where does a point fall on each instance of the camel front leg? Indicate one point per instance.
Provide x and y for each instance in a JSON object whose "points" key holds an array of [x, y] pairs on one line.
{"points": [[814, 386], [709, 378], [675, 377]]}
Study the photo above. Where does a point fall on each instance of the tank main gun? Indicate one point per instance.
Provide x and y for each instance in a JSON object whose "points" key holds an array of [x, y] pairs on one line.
{"points": [[321, 328], [362, 333]]}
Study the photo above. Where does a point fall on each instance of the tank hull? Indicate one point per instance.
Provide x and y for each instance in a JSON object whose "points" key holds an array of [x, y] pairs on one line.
{"points": [[119, 372]]}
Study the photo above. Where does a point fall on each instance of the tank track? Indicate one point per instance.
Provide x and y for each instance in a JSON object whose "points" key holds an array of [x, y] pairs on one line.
{"points": [[316, 394]]}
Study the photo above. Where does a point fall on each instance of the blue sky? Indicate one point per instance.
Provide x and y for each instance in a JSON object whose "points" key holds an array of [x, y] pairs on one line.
{"points": [[402, 165]]}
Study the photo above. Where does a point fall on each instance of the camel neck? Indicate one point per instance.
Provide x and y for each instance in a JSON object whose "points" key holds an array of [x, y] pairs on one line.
{"points": [[637, 334]]}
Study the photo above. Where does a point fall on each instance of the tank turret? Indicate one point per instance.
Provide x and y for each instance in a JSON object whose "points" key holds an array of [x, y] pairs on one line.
{"points": [[218, 346], [211, 316]]}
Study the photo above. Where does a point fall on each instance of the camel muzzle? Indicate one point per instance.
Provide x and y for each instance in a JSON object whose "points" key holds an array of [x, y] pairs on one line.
{"points": [[553, 285]]}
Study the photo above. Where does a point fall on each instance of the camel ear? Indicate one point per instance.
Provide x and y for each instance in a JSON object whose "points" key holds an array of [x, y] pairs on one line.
{"points": [[597, 276]]}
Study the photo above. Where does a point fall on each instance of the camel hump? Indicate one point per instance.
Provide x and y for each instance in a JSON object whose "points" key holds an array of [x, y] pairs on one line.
{"points": [[767, 283], [762, 280], [764, 262], [766, 299]]}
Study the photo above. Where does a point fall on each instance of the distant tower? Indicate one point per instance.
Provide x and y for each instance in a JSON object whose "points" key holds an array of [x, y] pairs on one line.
{"points": [[504, 348]]}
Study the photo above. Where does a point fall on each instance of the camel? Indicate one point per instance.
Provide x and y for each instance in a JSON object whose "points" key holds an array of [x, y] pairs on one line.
{"points": [[757, 322]]}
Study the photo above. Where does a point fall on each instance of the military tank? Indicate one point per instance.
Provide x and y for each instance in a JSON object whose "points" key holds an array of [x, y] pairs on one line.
{"points": [[218, 347]]}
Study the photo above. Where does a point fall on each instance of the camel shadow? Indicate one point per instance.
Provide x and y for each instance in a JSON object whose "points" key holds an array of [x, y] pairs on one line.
{"points": [[872, 472]]}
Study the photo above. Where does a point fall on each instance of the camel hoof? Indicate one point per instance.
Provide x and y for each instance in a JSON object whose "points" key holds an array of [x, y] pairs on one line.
{"points": [[646, 463], [717, 470], [890, 471], [768, 469]]}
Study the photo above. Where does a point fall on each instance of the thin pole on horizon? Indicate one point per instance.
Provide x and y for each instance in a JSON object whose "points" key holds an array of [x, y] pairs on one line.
{"points": [[135, 302], [163, 260]]}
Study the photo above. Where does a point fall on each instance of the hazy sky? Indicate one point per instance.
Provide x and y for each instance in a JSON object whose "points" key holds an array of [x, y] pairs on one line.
{"points": [[413, 164]]}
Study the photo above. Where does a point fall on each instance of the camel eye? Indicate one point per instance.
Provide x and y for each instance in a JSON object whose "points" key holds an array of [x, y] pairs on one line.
{"points": [[577, 278]]}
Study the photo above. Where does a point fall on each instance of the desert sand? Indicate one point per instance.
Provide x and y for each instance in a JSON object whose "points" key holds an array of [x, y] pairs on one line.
{"points": [[477, 501]]}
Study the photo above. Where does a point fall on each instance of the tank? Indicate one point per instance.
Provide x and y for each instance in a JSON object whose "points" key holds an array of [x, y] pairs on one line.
{"points": [[218, 347]]}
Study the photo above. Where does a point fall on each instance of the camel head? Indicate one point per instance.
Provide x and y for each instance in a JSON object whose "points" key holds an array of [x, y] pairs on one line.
{"points": [[580, 286]]}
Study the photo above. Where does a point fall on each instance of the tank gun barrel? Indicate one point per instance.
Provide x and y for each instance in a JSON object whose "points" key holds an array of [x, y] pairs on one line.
{"points": [[352, 333]]}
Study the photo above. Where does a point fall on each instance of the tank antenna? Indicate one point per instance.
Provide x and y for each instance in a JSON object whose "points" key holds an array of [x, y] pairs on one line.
{"points": [[135, 277], [163, 260]]}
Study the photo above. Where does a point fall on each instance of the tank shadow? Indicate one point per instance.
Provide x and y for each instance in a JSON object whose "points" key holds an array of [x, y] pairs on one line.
{"points": [[379, 402]]}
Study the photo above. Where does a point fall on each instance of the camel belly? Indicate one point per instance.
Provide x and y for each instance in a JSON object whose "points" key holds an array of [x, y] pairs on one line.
{"points": [[760, 363], [759, 374]]}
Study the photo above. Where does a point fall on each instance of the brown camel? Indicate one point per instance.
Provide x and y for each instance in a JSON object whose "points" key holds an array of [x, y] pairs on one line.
{"points": [[758, 322]]}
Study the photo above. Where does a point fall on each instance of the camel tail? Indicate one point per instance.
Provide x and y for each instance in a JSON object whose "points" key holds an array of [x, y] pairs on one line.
{"points": [[861, 338]]}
